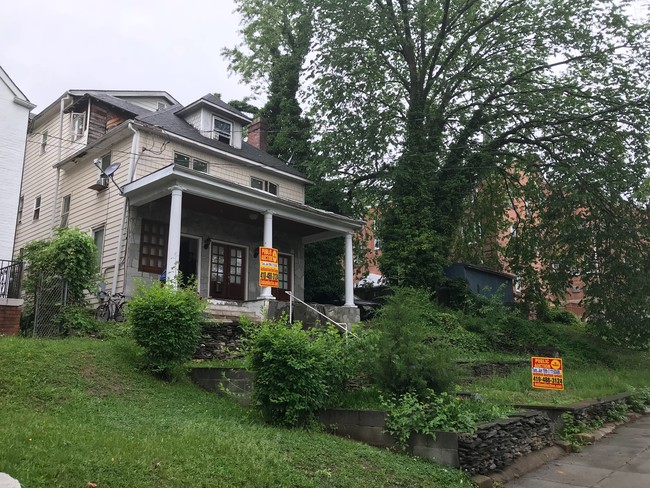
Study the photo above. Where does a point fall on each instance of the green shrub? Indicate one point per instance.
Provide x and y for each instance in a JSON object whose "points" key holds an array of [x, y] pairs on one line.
{"points": [[407, 414], [562, 316], [297, 372], [639, 399], [166, 322], [403, 356], [77, 320]]}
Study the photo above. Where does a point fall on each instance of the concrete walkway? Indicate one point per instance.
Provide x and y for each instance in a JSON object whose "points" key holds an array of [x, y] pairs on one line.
{"points": [[619, 460]]}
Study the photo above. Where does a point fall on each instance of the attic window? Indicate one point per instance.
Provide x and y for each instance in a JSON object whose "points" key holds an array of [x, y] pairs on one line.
{"points": [[222, 130], [264, 185]]}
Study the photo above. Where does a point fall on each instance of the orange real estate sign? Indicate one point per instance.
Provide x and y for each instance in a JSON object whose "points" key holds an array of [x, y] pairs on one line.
{"points": [[547, 373], [269, 267]]}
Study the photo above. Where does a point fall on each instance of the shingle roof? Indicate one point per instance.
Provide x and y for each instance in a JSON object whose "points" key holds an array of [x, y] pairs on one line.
{"points": [[169, 121]]}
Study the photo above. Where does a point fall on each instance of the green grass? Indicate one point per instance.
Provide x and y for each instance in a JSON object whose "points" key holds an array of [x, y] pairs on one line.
{"points": [[582, 381], [81, 410]]}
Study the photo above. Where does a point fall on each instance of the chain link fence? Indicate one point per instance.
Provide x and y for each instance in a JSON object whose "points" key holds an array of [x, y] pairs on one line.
{"points": [[49, 300]]}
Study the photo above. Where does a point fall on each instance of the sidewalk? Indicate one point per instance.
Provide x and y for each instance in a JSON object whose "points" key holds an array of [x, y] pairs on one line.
{"points": [[619, 460]]}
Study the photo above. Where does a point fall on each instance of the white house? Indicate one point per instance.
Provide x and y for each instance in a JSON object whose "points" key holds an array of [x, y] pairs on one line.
{"points": [[14, 117], [190, 194]]}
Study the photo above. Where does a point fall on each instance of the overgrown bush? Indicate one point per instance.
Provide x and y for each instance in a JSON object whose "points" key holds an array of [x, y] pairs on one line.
{"points": [[77, 320], [71, 254], [166, 322], [297, 372], [403, 356], [407, 414]]}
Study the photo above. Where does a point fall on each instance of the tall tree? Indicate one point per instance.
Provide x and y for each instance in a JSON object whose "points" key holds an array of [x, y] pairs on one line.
{"points": [[277, 37]]}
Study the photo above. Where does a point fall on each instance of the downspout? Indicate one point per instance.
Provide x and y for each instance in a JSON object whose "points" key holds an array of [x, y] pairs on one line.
{"points": [[58, 167], [135, 143]]}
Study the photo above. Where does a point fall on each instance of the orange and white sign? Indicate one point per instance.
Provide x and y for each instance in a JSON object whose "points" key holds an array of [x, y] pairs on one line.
{"points": [[269, 267], [547, 373]]}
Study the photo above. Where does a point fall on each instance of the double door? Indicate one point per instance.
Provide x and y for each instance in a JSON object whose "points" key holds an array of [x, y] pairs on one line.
{"points": [[227, 272]]}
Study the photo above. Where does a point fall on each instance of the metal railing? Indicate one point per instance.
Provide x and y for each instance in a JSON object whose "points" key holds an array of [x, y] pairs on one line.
{"points": [[10, 278], [341, 325]]}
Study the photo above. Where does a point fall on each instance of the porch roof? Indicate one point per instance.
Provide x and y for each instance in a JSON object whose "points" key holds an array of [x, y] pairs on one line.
{"points": [[311, 223]]}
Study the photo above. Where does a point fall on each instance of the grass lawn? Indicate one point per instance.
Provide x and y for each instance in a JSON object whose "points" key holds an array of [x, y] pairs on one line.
{"points": [[80, 410], [581, 381]]}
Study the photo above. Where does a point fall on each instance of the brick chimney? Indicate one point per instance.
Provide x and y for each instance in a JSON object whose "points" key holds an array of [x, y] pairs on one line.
{"points": [[258, 134]]}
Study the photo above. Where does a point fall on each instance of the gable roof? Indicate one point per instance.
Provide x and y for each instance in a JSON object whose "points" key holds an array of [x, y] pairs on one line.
{"points": [[19, 96], [217, 104]]}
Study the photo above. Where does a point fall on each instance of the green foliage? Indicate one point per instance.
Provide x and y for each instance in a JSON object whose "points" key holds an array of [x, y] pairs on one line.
{"points": [[639, 400], [408, 414], [618, 412], [71, 254], [400, 355], [166, 322], [297, 372], [562, 316], [77, 320]]}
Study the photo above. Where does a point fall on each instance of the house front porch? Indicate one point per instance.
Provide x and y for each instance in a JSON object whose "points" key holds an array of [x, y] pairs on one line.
{"points": [[211, 230]]}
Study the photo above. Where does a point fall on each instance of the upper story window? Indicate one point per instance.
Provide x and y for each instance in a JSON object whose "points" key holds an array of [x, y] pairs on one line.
{"points": [[98, 238], [43, 142], [78, 125], [189, 162], [221, 130], [65, 210], [106, 161], [264, 185], [37, 207]]}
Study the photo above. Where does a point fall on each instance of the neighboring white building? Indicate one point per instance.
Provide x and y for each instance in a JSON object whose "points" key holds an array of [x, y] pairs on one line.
{"points": [[14, 117]]}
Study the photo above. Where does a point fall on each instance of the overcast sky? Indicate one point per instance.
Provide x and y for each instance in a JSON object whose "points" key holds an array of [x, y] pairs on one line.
{"points": [[50, 46]]}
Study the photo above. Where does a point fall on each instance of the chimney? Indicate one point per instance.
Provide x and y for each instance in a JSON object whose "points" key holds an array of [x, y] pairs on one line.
{"points": [[258, 134]]}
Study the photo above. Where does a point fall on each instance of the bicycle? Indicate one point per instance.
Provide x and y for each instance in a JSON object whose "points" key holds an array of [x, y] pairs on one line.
{"points": [[111, 307]]}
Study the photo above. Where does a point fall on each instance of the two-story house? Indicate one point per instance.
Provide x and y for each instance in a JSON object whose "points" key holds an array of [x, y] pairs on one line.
{"points": [[189, 194]]}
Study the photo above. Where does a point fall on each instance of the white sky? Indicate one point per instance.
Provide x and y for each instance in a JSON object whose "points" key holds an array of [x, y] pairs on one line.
{"points": [[50, 46]]}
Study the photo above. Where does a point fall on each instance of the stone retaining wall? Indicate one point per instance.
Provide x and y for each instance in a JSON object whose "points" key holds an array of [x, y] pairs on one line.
{"points": [[221, 342], [498, 444], [234, 382]]}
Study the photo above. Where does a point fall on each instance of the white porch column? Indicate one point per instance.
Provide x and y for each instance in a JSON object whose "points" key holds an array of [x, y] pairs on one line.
{"points": [[174, 234], [268, 242], [349, 273]]}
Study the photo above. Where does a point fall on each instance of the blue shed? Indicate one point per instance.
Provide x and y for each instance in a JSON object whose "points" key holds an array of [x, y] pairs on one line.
{"points": [[483, 281]]}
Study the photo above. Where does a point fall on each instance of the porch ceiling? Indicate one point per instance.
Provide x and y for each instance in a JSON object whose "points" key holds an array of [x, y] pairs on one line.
{"points": [[215, 196]]}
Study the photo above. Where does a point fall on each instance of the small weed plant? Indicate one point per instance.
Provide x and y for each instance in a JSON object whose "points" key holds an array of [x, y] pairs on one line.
{"points": [[639, 400], [297, 372], [166, 322], [407, 414]]}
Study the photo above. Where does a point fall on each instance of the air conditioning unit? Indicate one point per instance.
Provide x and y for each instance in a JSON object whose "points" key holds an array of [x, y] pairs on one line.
{"points": [[102, 184]]}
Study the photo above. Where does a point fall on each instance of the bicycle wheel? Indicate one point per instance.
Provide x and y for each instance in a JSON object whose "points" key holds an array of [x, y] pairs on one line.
{"points": [[119, 313], [103, 312]]}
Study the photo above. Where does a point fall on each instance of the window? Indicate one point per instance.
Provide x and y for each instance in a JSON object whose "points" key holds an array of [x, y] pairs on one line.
{"points": [[106, 161], [65, 210], [264, 185], [78, 125], [222, 130], [192, 163], [43, 142], [21, 202], [153, 247], [98, 239], [375, 234], [37, 207]]}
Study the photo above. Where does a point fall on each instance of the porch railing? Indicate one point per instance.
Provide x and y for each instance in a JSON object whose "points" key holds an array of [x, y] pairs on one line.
{"points": [[341, 325], [10, 277]]}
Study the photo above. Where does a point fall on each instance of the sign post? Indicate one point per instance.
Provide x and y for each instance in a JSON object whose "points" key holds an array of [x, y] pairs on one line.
{"points": [[269, 267], [547, 373]]}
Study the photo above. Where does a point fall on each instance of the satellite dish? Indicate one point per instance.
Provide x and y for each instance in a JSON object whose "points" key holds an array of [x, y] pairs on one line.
{"points": [[111, 169]]}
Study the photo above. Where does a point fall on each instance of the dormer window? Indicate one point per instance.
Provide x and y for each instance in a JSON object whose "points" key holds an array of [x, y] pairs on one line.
{"points": [[221, 130]]}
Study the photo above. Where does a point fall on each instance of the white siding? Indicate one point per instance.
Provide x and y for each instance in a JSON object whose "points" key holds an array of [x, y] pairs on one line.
{"points": [[13, 133]]}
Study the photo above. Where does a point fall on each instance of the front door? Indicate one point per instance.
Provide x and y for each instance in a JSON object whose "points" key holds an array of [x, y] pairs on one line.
{"points": [[284, 278], [227, 272]]}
